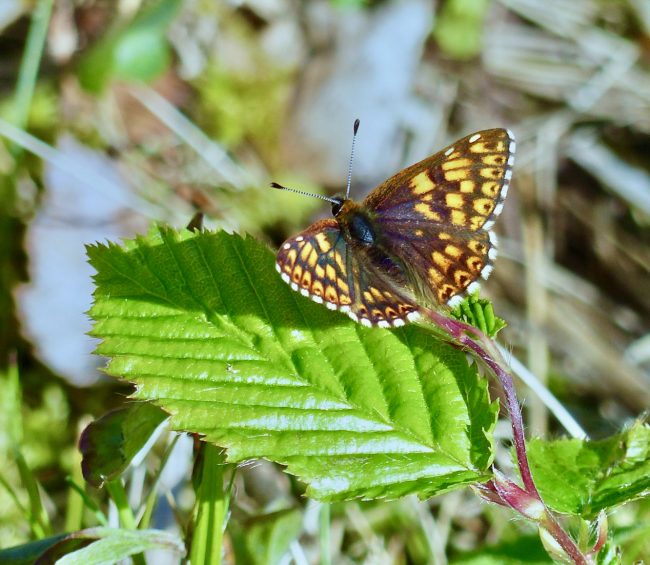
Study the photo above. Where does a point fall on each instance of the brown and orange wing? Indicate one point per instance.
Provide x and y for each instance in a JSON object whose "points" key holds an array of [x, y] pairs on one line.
{"points": [[437, 215], [320, 265]]}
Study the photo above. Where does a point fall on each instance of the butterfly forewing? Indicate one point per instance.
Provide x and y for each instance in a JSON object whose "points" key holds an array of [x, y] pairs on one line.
{"points": [[462, 186], [437, 215]]}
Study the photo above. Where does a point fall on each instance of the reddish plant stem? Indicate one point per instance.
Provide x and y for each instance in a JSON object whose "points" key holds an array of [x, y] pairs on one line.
{"points": [[514, 410], [461, 334], [566, 543], [482, 346]]}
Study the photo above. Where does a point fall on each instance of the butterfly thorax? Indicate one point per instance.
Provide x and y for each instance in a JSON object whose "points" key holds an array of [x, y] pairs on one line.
{"points": [[363, 233], [356, 224]]}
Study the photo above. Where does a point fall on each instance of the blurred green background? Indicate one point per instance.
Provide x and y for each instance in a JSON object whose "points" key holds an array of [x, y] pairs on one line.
{"points": [[115, 114]]}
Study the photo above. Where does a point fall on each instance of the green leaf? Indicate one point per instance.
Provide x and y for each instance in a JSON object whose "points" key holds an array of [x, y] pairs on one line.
{"points": [[136, 51], [108, 545], [478, 312], [109, 444], [610, 554], [459, 27], [265, 539], [26, 554], [526, 550], [205, 327], [585, 477]]}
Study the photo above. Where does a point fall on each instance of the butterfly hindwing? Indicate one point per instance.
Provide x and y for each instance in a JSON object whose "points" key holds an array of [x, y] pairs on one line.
{"points": [[448, 262], [322, 266], [314, 263]]}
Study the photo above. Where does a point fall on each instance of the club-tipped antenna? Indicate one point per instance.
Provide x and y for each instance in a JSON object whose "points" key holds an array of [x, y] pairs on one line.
{"points": [[280, 187], [355, 129]]}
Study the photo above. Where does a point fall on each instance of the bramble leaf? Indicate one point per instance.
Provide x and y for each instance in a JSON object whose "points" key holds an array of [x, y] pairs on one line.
{"points": [[205, 328], [584, 477]]}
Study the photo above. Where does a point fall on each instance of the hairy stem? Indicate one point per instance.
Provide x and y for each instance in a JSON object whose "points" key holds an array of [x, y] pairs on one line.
{"points": [[485, 350], [476, 341]]}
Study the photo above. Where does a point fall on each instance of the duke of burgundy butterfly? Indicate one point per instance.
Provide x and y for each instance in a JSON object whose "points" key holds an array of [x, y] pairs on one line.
{"points": [[422, 238]]}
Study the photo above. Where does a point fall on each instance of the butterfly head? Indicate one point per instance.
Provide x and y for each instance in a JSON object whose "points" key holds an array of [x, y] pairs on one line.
{"points": [[337, 204]]}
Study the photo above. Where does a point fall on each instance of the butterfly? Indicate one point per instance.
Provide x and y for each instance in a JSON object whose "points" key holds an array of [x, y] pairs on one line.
{"points": [[421, 238]]}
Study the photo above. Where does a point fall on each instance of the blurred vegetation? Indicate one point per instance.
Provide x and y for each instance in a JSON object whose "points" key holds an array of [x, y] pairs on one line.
{"points": [[156, 109]]}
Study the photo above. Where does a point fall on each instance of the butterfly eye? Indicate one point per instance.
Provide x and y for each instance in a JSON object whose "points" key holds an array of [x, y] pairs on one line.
{"points": [[336, 206]]}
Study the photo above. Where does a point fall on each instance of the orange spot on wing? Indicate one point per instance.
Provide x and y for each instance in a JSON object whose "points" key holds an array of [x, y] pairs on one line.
{"points": [[490, 188], [339, 262], [476, 222], [454, 200], [445, 292], [467, 186], [421, 183], [376, 293], [458, 218], [330, 294], [456, 164], [456, 174], [426, 211], [475, 264], [306, 250], [494, 160], [312, 260], [323, 242], [453, 251], [462, 278], [477, 247], [488, 147], [484, 206], [491, 173], [441, 260], [317, 288]]}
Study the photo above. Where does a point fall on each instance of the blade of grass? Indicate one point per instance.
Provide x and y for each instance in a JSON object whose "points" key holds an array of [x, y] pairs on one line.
{"points": [[118, 494], [75, 504], [30, 64], [211, 507], [74, 511], [152, 496], [73, 168], [324, 534], [563, 416], [40, 520], [88, 502]]}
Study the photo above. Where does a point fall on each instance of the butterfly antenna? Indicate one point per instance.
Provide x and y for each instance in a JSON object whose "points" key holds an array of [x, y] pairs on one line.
{"points": [[280, 187], [355, 129]]}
